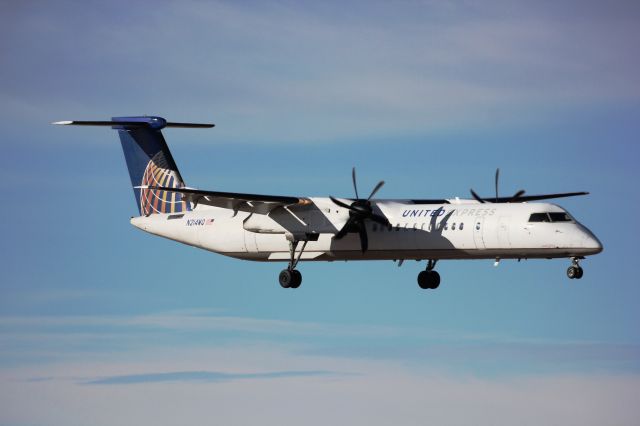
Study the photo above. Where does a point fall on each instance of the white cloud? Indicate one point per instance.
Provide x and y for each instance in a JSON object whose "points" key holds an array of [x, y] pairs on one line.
{"points": [[283, 72], [189, 320], [60, 338], [381, 393], [371, 384]]}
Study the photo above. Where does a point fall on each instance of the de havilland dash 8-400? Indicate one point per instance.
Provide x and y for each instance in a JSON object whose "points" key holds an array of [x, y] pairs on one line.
{"points": [[293, 229]]}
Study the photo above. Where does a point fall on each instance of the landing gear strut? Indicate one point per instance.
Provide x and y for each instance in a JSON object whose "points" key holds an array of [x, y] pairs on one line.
{"points": [[291, 277], [575, 271], [429, 279]]}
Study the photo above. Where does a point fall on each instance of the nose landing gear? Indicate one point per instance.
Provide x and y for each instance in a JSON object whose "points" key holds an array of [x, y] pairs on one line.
{"points": [[575, 270], [429, 279]]}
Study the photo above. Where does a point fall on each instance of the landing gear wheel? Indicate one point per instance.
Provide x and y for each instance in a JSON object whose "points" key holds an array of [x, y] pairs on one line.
{"points": [[435, 280], [286, 278], [423, 279], [297, 279], [290, 278], [572, 272], [575, 271], [429, 280]]}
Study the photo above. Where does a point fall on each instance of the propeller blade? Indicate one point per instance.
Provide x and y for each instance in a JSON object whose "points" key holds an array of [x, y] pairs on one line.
{"points": [[497, 178], [355, 185], [516, 196], [345, 229], [364, 239], [341, 204], [379, 219], [477, 197], [378, 186]]}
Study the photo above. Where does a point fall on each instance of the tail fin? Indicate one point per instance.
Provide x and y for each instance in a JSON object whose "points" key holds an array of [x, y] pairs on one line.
{"points": [[149, 161]]}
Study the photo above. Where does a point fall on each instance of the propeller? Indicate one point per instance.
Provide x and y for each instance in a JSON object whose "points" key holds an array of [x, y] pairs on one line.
{"points": [[359, 211], [513, 198]]}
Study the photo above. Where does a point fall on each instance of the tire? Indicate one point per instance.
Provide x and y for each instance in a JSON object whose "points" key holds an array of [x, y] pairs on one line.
{"points": [[572, 272], [285, 278], [297, 279], [434, 280], [423, 280], [580, 273]]}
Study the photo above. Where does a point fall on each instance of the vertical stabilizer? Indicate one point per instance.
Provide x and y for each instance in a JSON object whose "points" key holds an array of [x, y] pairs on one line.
{"points": [[149, 161]]}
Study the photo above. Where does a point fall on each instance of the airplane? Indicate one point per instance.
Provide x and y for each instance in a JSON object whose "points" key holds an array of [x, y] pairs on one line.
{"points": [[276, 228]]}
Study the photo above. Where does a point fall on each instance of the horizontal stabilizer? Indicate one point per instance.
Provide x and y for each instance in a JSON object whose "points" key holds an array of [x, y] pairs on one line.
{"points": [[156, 123]]}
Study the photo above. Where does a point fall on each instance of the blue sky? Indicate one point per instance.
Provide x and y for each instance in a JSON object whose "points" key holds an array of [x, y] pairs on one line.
{"points": [[102, 324]]}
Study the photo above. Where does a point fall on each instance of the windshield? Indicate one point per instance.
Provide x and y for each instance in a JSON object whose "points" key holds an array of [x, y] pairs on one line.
{"points": [[550, 217], [559, 217]]}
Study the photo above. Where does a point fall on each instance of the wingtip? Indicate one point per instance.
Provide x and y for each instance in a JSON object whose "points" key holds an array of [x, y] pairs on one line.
{"points": [[62, 123]]}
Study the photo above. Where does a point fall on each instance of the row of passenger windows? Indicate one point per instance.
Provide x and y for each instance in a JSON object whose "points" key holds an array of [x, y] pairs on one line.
{"points": [[419, 226], [549, 217]]}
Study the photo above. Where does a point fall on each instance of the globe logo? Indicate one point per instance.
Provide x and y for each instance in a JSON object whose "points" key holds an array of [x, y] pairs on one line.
{"points": [[158, 174]]}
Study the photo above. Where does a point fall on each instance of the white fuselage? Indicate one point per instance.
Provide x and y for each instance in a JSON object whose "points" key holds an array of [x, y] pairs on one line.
{"points": [[464, 229]]}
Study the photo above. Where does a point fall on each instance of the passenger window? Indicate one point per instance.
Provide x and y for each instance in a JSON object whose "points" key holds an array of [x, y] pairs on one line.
{"points": [[446, 226], [478, 225], [539, 217], [453, 227], [415, 226], [461, 225]]}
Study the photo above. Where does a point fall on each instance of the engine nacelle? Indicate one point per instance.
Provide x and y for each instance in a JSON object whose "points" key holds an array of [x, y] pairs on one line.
{"points": [[262, 224]]}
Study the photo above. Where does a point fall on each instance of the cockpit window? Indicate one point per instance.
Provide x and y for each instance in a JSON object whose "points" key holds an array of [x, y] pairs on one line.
{"points": [[550, 217], [539, 217], [559, 217]]}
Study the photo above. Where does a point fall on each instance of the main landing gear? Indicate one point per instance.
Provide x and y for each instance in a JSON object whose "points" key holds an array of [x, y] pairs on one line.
{"points": [[291, 277], [429, 279], [575, 271]]}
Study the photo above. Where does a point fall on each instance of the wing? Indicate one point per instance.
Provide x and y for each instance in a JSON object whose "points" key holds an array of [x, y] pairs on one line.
{"points": [[525, 198], [254, 203], [519, 199]]}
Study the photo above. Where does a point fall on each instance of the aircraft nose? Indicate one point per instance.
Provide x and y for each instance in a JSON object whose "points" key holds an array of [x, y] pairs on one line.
{"points": [[592, 242]]}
